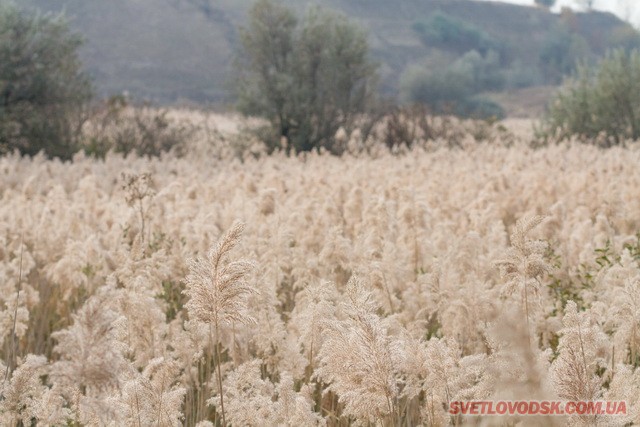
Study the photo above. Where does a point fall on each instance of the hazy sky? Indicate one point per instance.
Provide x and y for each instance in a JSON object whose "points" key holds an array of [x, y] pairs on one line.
{"points": [[625, 9]]}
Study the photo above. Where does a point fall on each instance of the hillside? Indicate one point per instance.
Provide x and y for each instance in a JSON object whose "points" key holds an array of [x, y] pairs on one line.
{"points": [[171, 50]]}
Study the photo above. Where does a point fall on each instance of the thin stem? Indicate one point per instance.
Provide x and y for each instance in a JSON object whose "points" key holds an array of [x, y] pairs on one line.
{"points": [[13, 360], [235, 345], [414, 228], [138, 407], [526, 309], [634, 335], [584, 357], [141, 211], [386, 288], [161, 400], [526, 304], [613, 358], [224, 421], [310, 366], [389, 406]]}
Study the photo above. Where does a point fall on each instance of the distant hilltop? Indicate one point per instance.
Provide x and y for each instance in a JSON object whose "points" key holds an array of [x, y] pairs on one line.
{"points": [[169, 51]]}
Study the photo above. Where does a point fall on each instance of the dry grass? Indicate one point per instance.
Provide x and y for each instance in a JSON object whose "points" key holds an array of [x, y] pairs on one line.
{"points": [[528, 103], [382, 287]]}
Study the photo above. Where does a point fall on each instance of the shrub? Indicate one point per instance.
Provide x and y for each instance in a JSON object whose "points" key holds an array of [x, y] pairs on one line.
{"points": [[560, 52], [121, 128], [43, 91], [484, 72], [520, 75], [454, 89], [545, 3], [415, 125], [441, 89], [601, 101], [480, 107], [625, 37], [308, 79], [445, 30]]}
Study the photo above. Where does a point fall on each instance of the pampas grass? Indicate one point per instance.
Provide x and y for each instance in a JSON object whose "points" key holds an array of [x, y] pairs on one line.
{"points": [[381, 288], [217, 292], [359, 360]]}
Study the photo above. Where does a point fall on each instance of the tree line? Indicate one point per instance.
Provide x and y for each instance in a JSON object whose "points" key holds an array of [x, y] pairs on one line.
{"points": [[308, 76]]}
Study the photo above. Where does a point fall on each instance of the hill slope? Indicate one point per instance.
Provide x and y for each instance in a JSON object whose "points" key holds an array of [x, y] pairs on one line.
{"points": [[169, 50]]}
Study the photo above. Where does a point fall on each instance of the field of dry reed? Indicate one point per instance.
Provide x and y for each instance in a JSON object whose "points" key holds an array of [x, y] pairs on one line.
{"points": [[369, 289]]}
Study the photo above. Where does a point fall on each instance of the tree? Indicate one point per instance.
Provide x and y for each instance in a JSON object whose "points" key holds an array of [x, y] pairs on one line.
{"points": [[454, 89], [440, 88], [561, 50], [308, 79], [546, 3], [451, 32], [43, 91], [604, 101], [586, 4], [625, 37]]}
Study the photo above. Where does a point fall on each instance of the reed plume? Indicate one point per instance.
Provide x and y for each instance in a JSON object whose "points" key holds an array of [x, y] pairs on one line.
{"points": [[218, 291]]}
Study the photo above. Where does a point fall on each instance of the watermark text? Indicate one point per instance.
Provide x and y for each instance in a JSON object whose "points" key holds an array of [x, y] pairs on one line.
{"points": [[537, 407]]}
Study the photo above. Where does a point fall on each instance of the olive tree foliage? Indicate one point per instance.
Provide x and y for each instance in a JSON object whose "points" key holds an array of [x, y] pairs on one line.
{"points": [[43, 90], [308, 78], [602, 103]]}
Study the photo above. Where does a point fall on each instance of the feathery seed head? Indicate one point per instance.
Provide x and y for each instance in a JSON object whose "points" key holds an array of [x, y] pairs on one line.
{"points": [[217, 289]]}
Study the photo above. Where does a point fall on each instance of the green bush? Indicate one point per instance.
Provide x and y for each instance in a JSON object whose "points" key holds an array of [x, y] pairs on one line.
{"points": [[625, 37], [560, 53], [308, 79], [520, 75], [441, 89], [545, 3], [445, 30], [484, 72], [454, 89], [43, 91], [601, 103]]}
